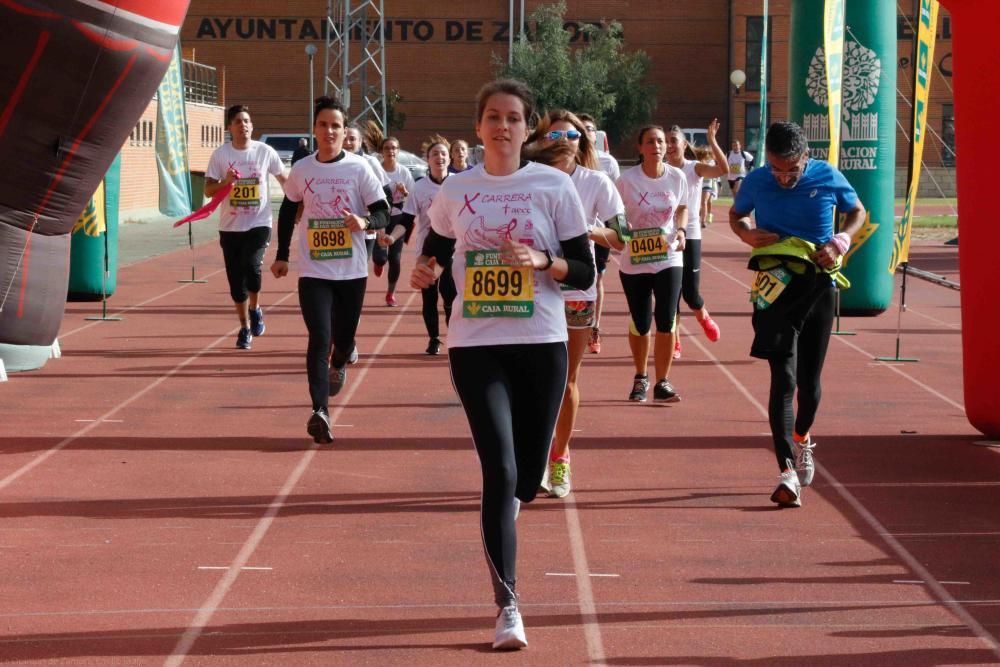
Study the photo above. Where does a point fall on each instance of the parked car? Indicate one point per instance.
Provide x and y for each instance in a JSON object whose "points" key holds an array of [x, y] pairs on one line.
{"points": [[696, 136], [285, 144], [416, 164]]}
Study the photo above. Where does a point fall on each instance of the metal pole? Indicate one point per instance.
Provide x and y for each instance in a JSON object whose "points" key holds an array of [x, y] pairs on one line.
{"points": [[104, 287], [520, 33], [510, 33], [312, 97], [899, 320]]}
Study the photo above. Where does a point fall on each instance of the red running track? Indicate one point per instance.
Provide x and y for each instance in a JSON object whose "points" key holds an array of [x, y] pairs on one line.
{"points": [[160, 502]]}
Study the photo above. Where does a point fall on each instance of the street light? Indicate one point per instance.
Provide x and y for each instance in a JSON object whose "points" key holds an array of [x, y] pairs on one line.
{"points": [[310, 52], [737, 77]]}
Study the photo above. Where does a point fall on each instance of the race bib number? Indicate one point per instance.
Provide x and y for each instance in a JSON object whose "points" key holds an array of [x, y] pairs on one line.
{"points": [[245, 193], [768, 285], [648, 245], [329, 238], [495, 289]]}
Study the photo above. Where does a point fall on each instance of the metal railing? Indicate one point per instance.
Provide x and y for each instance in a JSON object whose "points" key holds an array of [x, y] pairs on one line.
{"points": [[201, 83]]}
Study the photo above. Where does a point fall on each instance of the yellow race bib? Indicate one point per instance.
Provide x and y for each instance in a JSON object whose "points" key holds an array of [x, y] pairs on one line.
{"points": [[495, 289], [329, 238], [245, 193], [648, 245], [768, 285]]}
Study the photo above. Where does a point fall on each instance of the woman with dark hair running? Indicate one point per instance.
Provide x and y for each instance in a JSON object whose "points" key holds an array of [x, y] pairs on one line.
{"points": [[515, 231], [415, 218], [655, 196], [400, 185], [560, 140], [340, 199], [695, 172]]}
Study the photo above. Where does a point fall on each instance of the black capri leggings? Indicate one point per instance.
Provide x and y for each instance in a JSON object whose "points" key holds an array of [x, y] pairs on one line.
{"points": [[445, 286], [640, 288], [691, 283], [243, 254], [392, 255], [331, 310], [511, 395]]}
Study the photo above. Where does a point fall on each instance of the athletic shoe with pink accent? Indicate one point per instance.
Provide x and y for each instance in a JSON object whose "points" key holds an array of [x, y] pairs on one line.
{"points": [[711, 329], [677, 348], [390, 300]]}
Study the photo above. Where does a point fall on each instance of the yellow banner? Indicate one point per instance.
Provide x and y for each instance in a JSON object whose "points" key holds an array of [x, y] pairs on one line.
{"points": [[926, 35], [92, 221], [833, 49]]}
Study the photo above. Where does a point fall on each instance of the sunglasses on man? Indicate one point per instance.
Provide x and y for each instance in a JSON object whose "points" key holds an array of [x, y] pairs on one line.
{"points": [[555, 135]]}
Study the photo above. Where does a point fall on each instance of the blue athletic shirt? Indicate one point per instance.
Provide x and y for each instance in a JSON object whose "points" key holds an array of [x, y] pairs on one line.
{"points": [[805, 211]]}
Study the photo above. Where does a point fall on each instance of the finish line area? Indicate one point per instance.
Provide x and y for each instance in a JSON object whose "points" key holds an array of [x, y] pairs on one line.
{"points": [[162, 503]]}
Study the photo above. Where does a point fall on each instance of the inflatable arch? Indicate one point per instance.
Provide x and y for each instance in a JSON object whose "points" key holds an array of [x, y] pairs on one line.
{"points": [[976, 81], [77, 75]]}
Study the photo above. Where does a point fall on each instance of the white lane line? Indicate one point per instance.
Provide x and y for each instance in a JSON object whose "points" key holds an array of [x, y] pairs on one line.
{"points": [[138, 305], [226, 567], [894, 545], [919, 581], [584, 593], [209, 607], [574, 574], [931, 390], [106, 421], [44, 456]]}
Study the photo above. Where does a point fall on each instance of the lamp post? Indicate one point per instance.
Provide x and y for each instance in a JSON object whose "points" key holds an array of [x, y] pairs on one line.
{"points": [[310, 52], [737, 77]]}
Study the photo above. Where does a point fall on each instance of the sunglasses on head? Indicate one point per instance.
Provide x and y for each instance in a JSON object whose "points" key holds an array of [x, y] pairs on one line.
{"points": [[555, 135]]}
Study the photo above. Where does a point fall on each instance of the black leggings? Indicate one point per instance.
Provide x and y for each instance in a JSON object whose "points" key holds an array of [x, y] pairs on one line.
{"points": [[243, 254], [331, 310], [802, 368], [640, 288], [691, 283], [511, 395], [445, 286], [393, 254]]}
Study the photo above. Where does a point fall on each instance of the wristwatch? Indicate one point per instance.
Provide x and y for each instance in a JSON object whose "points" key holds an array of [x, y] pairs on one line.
{"points": [[548, 264]]}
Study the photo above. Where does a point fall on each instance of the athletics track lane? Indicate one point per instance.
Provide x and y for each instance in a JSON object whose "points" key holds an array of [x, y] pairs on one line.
{"points": [[374, 554]]}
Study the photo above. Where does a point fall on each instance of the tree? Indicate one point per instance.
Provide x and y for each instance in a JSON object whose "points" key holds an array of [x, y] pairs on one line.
{"points": [[598, 77], [394, 118]]}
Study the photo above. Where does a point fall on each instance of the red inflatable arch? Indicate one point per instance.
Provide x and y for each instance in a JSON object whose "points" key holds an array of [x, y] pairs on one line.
{"points": [[976, 83]]}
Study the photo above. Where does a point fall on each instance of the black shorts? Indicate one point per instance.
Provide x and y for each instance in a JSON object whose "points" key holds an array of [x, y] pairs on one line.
{"points": [[601, 255]]}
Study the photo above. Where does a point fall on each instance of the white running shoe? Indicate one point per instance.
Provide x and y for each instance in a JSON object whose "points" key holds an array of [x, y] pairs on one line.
{"points": [[788, 492], [544, 486], [559, 479], [804, 464], [353, 359], [510, 630], [517, 507]]}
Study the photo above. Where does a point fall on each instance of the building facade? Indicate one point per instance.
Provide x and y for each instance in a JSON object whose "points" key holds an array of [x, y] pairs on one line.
{"points": [[438, 54]]}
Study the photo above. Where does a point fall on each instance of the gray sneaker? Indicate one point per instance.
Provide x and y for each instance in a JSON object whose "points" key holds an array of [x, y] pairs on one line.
{"points": [[805, 467], [639, 388], [338, 376], [510, 630], [788, 492], [318, 427]]}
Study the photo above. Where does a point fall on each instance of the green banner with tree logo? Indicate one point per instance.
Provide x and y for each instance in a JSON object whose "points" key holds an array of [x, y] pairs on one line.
{"points": [[868, 129]]}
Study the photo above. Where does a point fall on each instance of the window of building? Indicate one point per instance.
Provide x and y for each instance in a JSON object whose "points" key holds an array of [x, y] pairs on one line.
{"points": [[755, 36], [752, 134], [948, 134]]}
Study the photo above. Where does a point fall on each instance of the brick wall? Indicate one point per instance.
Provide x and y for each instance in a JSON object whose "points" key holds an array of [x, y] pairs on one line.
{"points": [[437, 66], [139, 183]]}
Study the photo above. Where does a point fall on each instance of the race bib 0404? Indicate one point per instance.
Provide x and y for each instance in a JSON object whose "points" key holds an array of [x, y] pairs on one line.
{"points": [[329, 238], [767, 286], [245, 193], [495, 289], [648, 245]]}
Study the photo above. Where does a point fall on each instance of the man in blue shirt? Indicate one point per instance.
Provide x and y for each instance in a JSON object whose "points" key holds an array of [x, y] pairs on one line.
{"points": [[797, 256]]}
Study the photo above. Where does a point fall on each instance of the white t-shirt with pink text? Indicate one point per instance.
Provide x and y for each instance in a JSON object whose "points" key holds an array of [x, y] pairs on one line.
{"points": [[651, 207], [249, 202], [330, 190], [498, 304]]}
